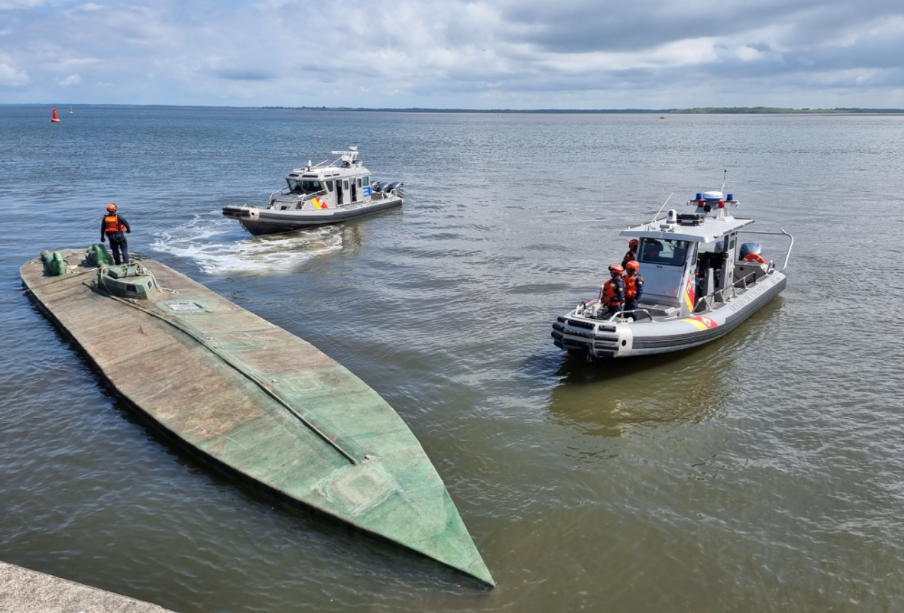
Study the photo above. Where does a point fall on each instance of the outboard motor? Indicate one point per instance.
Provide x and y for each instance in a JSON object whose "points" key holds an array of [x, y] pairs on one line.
{"points": [[395, 188], [377, 186], [748, 248]]}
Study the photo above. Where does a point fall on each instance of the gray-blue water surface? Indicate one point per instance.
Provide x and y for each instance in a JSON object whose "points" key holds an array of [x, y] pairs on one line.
{"points": [[760, 473]]}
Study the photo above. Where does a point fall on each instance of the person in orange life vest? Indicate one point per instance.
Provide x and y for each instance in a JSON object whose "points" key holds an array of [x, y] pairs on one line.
{"points": [[115, 227], [632, 252], [613, 294], [633, 281]]}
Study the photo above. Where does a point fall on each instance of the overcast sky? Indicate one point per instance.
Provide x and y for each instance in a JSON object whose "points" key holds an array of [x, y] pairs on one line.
{"points": [[514, 54]]}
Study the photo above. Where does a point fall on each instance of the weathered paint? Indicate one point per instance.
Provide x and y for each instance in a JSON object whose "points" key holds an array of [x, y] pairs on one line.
{"points": [[261, 402]]}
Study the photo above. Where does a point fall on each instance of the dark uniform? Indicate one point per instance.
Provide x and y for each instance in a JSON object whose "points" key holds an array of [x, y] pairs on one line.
{"points": [[631, 256], [115, 227]]}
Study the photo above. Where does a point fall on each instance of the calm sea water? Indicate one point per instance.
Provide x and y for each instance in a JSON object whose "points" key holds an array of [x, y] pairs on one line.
{"points": [[760, 473]]}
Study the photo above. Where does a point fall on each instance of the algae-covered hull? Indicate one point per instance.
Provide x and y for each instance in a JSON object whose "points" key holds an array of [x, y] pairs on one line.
{"points": [[255, 399]]}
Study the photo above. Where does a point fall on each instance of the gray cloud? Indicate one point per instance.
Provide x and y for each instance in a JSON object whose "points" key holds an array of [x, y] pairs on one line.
{"points": [[453, 53]]}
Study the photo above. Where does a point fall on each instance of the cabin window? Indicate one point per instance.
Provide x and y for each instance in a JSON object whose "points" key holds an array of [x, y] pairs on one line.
{"points": [[359, 182], [304, 187], [345, 184], [366, 179], [666, 252], [329, 186]]}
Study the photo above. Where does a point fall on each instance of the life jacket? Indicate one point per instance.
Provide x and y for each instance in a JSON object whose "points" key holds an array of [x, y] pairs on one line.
{"points": [[112, 225], [754, 257], [613, 292], [633, 286], [629, 257]]}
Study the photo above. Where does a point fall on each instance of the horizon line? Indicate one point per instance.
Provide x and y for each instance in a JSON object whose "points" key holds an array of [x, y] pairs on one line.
{"points": [[415, 109]]}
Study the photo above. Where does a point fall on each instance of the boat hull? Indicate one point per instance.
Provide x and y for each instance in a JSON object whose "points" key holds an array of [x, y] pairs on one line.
{"points": [[258, 221], [603, 339], [252, 399]]}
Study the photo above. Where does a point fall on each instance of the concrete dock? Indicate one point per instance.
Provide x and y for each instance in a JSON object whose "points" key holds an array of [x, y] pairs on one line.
{"points": [[28, 591]]}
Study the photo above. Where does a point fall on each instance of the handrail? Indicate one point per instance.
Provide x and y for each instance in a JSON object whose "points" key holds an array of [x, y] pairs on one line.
{"points": [[701, 299], [747, 276], [781, 233]]}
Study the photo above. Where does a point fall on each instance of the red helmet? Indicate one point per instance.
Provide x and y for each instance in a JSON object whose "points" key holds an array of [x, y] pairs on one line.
{"points": [[632, 242], [111, 207], [633, 265], [616, 268]]}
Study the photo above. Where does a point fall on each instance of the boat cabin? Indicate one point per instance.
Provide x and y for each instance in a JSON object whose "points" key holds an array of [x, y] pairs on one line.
{"points": [[688, 261], [342, 182]]}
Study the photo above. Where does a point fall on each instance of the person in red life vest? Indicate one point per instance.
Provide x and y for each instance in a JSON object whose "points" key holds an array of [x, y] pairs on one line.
{"points": [[633, 281], [613, 294], [115, 227], [632, 252]]}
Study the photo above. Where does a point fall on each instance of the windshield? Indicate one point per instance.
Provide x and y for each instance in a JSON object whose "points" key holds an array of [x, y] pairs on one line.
{"points": [[306, 186], [662, 251]]}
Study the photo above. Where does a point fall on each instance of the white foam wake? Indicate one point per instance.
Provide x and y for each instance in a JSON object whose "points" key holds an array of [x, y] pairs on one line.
{"points": [[220, 245]]}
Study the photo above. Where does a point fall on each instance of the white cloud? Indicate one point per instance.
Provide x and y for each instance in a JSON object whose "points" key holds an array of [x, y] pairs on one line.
{"points": [[11, 77], [19, 4], [461, 53], [79, 61]]}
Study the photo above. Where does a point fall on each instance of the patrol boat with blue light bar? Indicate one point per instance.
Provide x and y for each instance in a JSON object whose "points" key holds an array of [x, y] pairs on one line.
{"points": [[700, 282], [318, 194]]}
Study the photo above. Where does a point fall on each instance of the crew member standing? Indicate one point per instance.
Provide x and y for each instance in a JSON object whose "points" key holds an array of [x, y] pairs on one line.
{"points": [[631, 256], [633, 281], [115, 227], [613, 295]]}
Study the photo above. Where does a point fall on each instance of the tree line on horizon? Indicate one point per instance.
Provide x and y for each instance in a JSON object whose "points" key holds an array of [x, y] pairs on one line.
{"points": [[737, 110]]}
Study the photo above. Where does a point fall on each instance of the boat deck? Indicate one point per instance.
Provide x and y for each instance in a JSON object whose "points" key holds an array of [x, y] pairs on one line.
{"points": [[261, 402]]}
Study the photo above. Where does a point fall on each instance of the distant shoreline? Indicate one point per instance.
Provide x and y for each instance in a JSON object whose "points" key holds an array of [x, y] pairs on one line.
{"points": [[739, 110], [755, 110]]}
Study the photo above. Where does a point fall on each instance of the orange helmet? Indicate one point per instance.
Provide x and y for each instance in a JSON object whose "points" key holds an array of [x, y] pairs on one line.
{"points": [[632, 242], [633, 265], [616, 269], [111, 207]]}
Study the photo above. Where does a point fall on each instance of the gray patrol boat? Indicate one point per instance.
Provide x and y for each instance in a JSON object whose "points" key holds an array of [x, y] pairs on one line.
{"points": [[319, 194], [700, 282]]}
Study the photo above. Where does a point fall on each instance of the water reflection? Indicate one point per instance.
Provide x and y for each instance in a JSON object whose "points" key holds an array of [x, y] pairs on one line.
{"points": [[611, 398]]}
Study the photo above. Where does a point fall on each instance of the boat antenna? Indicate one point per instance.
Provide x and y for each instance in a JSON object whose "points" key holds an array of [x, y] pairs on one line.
{"points": [[724, 178], [662, 207]]}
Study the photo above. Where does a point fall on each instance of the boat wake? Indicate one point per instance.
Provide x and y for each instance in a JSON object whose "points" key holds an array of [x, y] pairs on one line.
{"points": [[218, 245]]}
